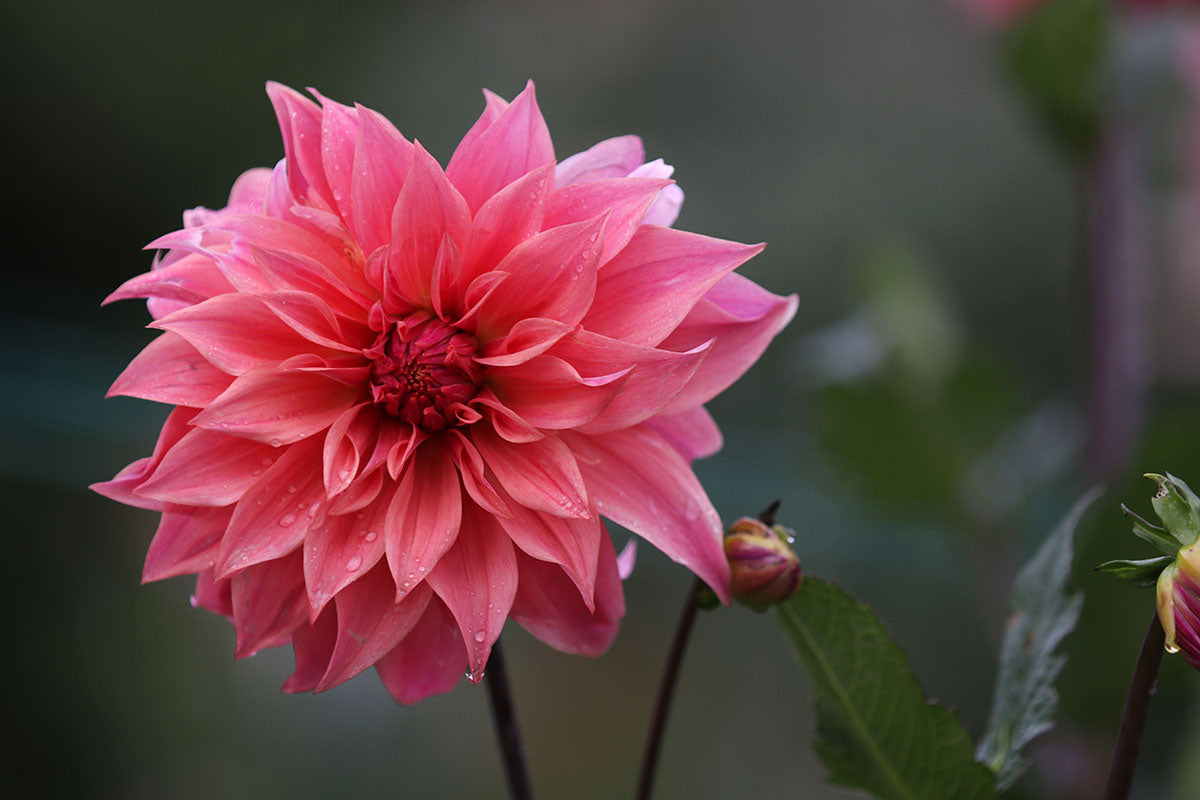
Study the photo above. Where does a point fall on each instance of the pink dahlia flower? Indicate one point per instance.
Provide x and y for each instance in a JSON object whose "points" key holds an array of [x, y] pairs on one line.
{"points": [[405, 396]]}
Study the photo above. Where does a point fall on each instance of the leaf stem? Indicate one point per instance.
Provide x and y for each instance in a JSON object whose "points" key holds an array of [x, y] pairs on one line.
{"points": [[1133, 717], [507, 732], [666, 689]]}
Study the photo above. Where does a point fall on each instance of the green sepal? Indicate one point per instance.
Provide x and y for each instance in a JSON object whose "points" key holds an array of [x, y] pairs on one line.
{"points": [[1142, 573], [1148, 531], [1177, 506]]}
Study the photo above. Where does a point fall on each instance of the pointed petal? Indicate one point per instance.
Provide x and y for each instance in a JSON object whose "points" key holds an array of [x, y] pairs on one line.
{"points": [[429, 661], [313, 646], [541, 474], [744, 318], [207, 468], [423, 518], [213, 595], [517, 142], [477, 580], [665, 208], [381, 161], [274, 514], [611, 158], [186, 541], [311, 317], [268, 604], [549, 607], [340, 549], [300, 123], [371, 624], [627, 200], [494, 106], [190, 280], [122, 487], [346, 446], [694, 433], [277, 407], [169, 370], [528, 338], [508, 218], [473, 472], [569, 543], [633, 301], [639, 481], [549, 393], [626, 559]]}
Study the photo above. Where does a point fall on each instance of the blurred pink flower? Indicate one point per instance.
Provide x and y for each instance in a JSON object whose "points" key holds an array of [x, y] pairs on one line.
{"points": [[406, 395]]}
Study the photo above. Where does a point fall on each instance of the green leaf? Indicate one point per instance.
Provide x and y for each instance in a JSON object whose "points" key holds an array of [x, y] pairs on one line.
{"points": [[876, 730], [1144, 572], [1149, 532], [1177, 506], [1043, 613]]}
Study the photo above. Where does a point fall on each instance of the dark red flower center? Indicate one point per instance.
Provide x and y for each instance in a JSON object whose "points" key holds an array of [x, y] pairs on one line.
{"points": [[422, 371]]}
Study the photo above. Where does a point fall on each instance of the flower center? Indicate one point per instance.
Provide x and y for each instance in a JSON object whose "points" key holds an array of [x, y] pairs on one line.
{"points": [[422, 371]]}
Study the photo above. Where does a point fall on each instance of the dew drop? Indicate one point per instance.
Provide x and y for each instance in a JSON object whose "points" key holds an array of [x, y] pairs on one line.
{"points": [[275, 443], [286, 519], [1172, 648], [372, 536], [344, 474], [256, 472], [266, 462], [421, 569], [354, 564], [480, 636], [291, 488]]}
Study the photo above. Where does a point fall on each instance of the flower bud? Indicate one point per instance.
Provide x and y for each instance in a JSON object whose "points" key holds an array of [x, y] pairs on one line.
{"points": [[1179, 604], [764, 569]]}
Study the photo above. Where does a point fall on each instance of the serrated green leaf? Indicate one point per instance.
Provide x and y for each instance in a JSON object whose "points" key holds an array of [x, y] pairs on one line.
{"points": [[1143, 572], [1043, 613], [876, 730]]}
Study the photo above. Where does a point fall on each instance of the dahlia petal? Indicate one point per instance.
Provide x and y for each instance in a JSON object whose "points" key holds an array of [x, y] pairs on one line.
{"points": [[693, 433], [508, 218], [628, 199], [639, 481], [346, 297], [666, 207], [541, 474], [515, 143], [428, 210], [339, 550], [627, 559], [169, 370], [405, 443], [277, 407], [549, 393], [658, 376], [249, 191], [268, 604], [213, 595], [528, 338], [361, 493], [274, 514], [423, 518], [313, 646], [552, 275], [569, 543], [504, 421], [370, 624], [300, 122], [190, 280], [494, 106], [206, 468], [122, 487], [381, 162], [632, 302], [186, 541], [447, 269], [285, 238], [346, 443], [744, 318], [477, 580], [311, 317], [473, 471], [549, 607], [236, 332], [429, 661], [611, 158]]}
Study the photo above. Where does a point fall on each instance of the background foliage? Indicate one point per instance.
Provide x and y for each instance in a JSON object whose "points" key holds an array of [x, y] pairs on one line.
{"points": [[921, 419]]}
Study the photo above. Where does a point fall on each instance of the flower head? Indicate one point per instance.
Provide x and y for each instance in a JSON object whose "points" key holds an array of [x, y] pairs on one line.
{"points": [[1179, 604], [406, 395], [764, 569]]}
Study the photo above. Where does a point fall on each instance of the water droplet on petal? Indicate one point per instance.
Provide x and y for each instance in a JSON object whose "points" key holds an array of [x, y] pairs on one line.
{"points": [[354, 564], [480, 636], [266, 462], [291, 488], [286, 519], [256, 472], [275, 443], [371, 536], [1172, 648]]}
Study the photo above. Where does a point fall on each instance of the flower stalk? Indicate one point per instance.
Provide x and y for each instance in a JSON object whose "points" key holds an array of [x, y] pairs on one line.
{"points": [[508, 733], [1133, 716]]}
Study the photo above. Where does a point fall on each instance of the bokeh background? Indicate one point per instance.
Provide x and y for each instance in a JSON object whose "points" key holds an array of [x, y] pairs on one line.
{"points": [[922, 419]]}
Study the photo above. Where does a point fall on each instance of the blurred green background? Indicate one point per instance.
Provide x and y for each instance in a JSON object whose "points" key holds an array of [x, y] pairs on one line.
{"points": [[921, 419]]}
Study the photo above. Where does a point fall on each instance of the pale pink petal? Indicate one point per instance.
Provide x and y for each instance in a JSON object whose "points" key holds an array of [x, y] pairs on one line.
{"points": [[569, 543], [611, 158], [693, 433], [429, 661], [274, 514], [508, 218], [300, 122], [423, 518], [528, 338], [517, 142], [541, 474], [268, 604], [743, 318], [627, 559], [121, 488], [249, 191], [477, 580], [190, 280], [206, 468], [549, 393], [341, 549], [633, 301], [371, 624], [665, 208], [626, 200], [381, 161], [186, 541], [169, 370], [313, 645], [429, 209], [552, 275], [339, 133], [277, 407], [548, 605], [639, 481]]}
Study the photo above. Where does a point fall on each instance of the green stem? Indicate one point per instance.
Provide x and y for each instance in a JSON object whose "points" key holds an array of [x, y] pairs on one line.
{"points": [[1133, 717]]}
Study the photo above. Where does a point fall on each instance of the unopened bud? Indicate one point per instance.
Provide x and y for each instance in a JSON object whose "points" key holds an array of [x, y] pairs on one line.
{"points": [[764, 569], [1179, 604]]}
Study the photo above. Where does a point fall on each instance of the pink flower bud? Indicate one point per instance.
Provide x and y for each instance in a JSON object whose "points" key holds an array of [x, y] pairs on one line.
{"points": [[1179, 604], [765, 571]]}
